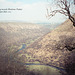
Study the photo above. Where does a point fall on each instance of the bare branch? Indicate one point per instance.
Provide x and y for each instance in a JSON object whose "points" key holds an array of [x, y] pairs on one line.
{"points": [[51, 14], [68, 4], [63, 12], [60, 6], [64, 6], [63, 2]]}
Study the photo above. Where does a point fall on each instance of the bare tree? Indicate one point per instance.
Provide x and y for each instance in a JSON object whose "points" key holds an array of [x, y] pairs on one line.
{"points": [[64, 8]]}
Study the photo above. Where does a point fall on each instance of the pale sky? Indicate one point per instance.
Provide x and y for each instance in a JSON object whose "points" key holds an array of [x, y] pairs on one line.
{"points": [[32, 11]]}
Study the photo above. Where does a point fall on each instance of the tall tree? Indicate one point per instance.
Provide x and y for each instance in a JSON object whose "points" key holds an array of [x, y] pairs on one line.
{"points": [[63, 8]]}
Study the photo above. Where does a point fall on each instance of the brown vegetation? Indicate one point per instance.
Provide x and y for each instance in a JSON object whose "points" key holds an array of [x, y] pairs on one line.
{"points": [[12, 36], [52, 48]]}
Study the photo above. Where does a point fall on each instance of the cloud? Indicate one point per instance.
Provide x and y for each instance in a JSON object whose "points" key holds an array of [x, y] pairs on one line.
{"points": [[34, 12]]}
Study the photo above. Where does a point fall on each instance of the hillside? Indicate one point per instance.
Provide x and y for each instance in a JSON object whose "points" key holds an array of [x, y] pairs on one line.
{"points": [[55, 48], [14, 34]]}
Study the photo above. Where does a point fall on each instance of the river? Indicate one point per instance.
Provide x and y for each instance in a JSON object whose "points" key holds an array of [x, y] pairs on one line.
{"points": [[23, 47]]}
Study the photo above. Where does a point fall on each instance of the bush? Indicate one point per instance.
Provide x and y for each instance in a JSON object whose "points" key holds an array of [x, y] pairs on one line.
{"points": [[70, 64], [66, 42]]}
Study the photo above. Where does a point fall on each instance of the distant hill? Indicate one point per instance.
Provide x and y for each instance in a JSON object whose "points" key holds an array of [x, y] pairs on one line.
{"points": [[49, 25], [53, 49], [14, 34]]}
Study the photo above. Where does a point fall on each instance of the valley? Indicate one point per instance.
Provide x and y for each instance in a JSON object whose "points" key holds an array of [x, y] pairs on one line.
{"points": [[32, 49]]}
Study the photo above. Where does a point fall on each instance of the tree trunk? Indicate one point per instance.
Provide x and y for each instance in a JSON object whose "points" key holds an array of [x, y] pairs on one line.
{"points": [[74, 23], [72, 19]]}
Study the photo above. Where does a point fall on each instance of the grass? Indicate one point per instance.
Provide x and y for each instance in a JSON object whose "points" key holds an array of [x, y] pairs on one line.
{"points": [[35, 62], [20, 47], [43, 70], [28, 42]]}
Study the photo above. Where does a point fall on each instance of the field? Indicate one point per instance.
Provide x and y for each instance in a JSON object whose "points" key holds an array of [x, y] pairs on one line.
{"points": [[42, 70]]}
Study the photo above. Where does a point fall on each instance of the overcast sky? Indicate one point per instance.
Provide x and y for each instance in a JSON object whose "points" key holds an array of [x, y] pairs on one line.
{"points": [[32, 11]]}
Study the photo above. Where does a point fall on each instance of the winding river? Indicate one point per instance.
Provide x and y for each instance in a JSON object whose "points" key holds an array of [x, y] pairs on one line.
{"points": [[23, 47], [61, 69]]}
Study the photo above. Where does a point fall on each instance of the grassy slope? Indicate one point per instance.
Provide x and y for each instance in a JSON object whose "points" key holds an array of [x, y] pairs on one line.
{"points": [[50, 49], [43, 70], [12, 36]]}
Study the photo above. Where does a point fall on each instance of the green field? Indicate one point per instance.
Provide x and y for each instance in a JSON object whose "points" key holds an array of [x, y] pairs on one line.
{"points": [[43, 70]]}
